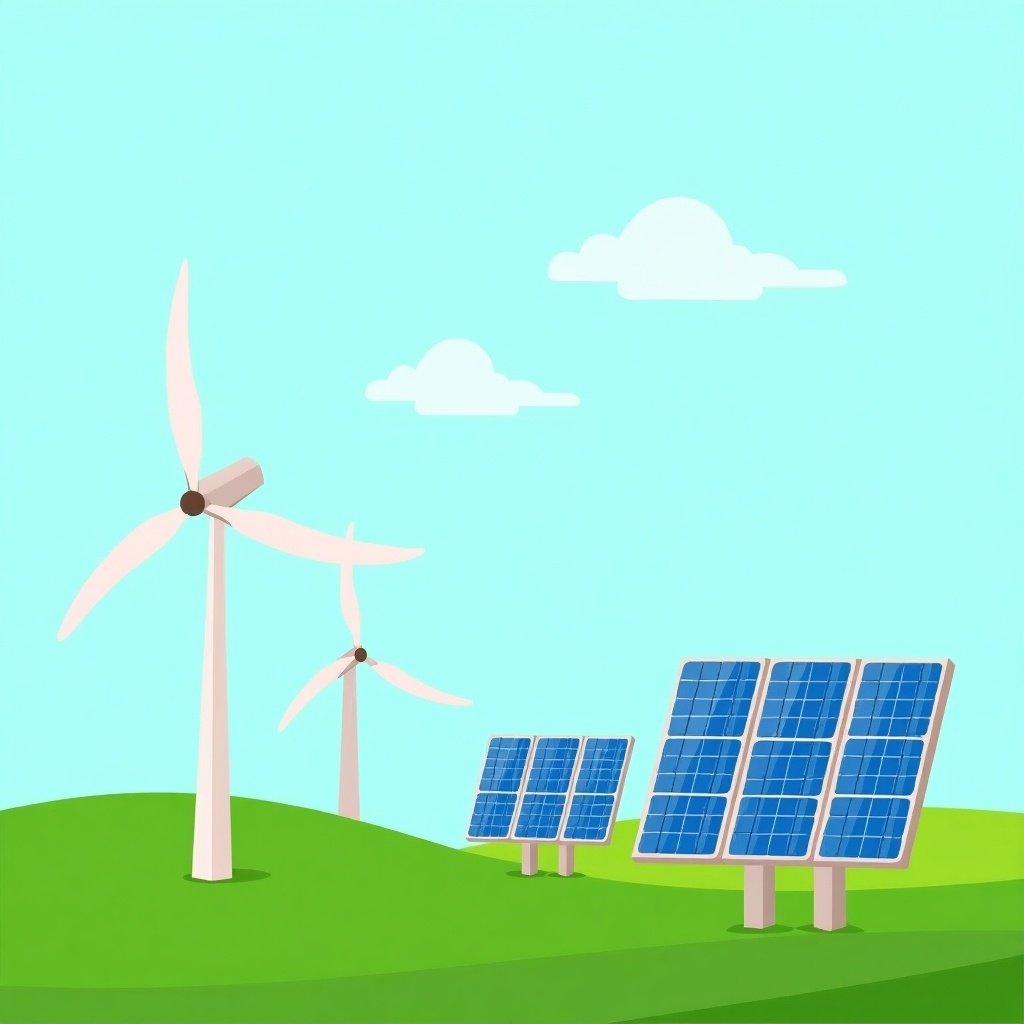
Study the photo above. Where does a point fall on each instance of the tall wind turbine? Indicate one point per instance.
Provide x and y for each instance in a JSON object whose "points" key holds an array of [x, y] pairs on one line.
{"points": [[214, 496], [345, 667]]}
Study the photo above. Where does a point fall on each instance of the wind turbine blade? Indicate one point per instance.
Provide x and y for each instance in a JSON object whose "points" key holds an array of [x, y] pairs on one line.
{"points": [[145, 540], [321, 680], [349, 602], [404, 681], [305, 542], [182, 396]]}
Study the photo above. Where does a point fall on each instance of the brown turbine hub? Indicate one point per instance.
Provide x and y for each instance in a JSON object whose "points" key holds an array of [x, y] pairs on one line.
{"points": [[192, 503], [360, 654]]}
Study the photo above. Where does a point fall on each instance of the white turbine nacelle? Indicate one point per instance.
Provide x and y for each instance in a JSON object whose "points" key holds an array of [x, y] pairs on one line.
{"points": [[216, 496]]}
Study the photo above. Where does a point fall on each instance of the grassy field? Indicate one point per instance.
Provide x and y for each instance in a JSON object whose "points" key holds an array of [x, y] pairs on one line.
{"points": [[332, 920]]}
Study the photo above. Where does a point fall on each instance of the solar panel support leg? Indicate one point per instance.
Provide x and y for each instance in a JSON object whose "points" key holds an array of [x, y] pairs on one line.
{"points": [[529, 858], [758, 896], [829, 898], [566, 859]]}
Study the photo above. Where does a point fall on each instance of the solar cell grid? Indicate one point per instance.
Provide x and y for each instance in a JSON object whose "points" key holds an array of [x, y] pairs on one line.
{"points": [[540, 816], [589, 817], [773, 827], [859, 828], [504, 764], [881, 773], [713, 698], [492, 815], [787, 768], [601, 766], [697, 766], [553, 762], [682, 825]]}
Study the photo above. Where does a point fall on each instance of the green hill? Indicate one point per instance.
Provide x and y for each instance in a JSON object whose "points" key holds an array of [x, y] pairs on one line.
{"points": [[334, 920], [953, 847]]}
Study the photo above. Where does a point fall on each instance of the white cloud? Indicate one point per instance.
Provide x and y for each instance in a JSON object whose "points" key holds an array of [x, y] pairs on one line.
{"points": [[457, 378], [681, 249]]}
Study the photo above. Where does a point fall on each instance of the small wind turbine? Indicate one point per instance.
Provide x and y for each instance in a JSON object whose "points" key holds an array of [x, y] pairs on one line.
{"points": [[213, 495], [348, 781]]}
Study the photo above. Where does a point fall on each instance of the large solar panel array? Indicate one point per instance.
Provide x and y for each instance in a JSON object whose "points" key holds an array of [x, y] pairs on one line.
{"points": [[812, 762], [563, 789]]}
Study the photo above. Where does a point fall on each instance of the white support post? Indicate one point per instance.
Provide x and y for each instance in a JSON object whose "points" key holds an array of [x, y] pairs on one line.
{"points": [[348, 776], [529, 858], [566, 859], [829, 898], [211, 843], [758, 895]]}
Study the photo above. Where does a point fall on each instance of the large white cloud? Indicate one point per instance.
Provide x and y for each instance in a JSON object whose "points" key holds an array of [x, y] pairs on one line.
{"points": [[681, 249], [457, 378]]}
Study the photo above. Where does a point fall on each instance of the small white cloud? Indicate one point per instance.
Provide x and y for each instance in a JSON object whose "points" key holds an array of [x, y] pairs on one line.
{"points": [[457, 378], [681, 249]]}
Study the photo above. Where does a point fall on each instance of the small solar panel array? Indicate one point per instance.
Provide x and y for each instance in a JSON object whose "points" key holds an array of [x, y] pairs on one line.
{"points": [[562, 789], [804, 762]]}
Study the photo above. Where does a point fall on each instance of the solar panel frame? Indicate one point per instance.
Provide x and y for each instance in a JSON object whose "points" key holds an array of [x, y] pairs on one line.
{"points": [[524, 791], [518, 792], [616, 796], [742, 769], [916, 796], [745, 740]]}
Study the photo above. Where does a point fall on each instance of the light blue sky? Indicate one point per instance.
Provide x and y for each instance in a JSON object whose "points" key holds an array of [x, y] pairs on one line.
{"points": [[832, 472]]}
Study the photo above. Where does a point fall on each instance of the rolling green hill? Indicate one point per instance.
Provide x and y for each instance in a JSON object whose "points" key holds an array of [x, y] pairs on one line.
{"points": [[999, 836], [334, 920]]}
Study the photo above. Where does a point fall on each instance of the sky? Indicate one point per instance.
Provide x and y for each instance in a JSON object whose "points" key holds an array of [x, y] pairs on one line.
{"points": [[814, 472]]}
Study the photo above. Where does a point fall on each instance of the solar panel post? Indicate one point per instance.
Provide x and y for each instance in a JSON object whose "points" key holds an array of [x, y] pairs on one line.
{"points": [[758, 895], [529, 861], [565, 859], [829, 898]]}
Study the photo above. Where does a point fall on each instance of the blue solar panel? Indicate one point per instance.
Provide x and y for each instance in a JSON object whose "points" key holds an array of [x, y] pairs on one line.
{"points": [[590, 817], [880, 767], [804, 699], [699, 757], [682, 825], [531, 788], [773, 827], [553, 762], [883, 757], [540, 816], [696, 766], [787, 768], [713, 698], [895, 699], [504, 764], [601, 767], [865, 829], [492, 815], [786, 771], [598, 781]]}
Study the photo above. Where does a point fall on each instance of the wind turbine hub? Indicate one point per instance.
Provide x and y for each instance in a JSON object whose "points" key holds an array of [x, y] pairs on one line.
{"points": [[192, 503], [360, 654]]}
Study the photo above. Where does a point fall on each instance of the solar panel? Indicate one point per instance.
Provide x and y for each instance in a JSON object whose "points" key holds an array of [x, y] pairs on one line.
{"points": [[549, 788], [784, 778], [597, 789], [501, 778], [702, 745], [877, 792]]}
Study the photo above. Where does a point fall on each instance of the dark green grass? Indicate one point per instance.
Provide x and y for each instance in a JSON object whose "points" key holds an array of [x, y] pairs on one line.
{"points": [[988, 993], [336, 920]]}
